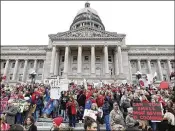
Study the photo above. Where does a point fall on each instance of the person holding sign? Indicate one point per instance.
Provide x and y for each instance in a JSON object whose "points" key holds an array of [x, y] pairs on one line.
{"points": [[131, 123]]}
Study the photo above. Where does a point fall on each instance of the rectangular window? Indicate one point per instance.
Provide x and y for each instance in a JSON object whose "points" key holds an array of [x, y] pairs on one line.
{"points": [[4, 65], [62, 59], [97, 58], [133, 65], [13, 64], [74, 58], [172, 65], [162, 65], [31, 65], [86, 58], [152, 64], [110, 58], [22, 65], [41, 65], [62, 72], [142, 65], [20, 77], [39, 76], [11, 75]]}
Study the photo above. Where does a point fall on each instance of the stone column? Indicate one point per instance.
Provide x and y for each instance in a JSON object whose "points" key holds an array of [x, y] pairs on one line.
{"points": [[130, 71], [116, 61], [57, 62], [169, 66], [139, 65], [160, 70], [53, 60], [6, 68], [15, 70], [149, 66], [35, 65], [66, 61], [106, 59], [24, 71], [120, 60], [93, 60], [79, 63]]}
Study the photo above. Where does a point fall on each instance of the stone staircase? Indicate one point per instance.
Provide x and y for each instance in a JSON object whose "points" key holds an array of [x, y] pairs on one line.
{"points": [[46, 124]]}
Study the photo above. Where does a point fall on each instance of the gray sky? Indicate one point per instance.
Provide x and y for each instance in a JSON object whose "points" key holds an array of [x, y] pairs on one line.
{"points": [[143, 22]]}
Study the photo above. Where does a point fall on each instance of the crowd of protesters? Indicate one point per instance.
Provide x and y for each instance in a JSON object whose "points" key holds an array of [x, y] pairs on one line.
{"points": [[112, 104]]}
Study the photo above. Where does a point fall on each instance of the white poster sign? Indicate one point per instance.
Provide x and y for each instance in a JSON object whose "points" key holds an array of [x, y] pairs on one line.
{"points": [[124, 81], [55, 91]]}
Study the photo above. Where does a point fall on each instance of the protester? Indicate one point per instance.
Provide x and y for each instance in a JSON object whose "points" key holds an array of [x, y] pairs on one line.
{"points": [[131, 123], [116, 116], [72, 111], [90, 124], [111, 102], [4, 125], [29, 125], [10, 113], [106, 112], [56, 123]]}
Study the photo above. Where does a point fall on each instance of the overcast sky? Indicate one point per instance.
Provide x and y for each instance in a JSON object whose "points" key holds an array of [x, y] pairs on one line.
{"points": [[143, 22]]}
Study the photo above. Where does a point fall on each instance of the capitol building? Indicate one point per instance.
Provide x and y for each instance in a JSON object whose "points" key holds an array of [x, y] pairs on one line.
{"points": [[86, 51]]}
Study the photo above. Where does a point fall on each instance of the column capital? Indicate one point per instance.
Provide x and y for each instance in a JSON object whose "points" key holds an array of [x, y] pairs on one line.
{"points": [[158, 59], [105, 45], [169, 59], [138, 59], [79, 45], [148, 59], [26, 59], [92, 45], [16, 59]]}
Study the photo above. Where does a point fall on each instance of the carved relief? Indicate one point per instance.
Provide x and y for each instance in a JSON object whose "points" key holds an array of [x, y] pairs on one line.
{"points": [[87, 33]]}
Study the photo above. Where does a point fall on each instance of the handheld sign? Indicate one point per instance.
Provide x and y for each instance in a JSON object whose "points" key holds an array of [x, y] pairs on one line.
{"points": [[147, 111]]}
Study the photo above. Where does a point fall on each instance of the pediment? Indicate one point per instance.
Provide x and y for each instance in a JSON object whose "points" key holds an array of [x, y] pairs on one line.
{"points": [[86, 33]]}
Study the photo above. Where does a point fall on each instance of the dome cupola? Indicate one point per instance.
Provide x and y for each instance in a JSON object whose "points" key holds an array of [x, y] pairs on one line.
{"points": [[87, 17]]}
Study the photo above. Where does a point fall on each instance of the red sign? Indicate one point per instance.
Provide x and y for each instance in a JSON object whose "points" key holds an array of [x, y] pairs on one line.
{"points": [[147, 111], [164, 85]]}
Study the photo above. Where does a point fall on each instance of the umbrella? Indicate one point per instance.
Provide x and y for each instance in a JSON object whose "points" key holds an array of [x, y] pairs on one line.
{"points": [[164, 85]]}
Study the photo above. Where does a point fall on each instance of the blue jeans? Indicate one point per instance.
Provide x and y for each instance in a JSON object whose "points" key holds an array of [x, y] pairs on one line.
{"points": [[72, 120], [36, 114], [63, 114], [106, 118], [19, 118], [154, 126]]}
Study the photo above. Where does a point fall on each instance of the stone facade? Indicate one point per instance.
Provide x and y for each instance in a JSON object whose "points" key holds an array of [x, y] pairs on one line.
{"points": [[86, 51]]}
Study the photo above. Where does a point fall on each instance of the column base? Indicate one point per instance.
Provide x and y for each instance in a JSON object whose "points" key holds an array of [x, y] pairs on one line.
{"points": [[65, 75], [79, 75], [121, 76], [93, 75]]}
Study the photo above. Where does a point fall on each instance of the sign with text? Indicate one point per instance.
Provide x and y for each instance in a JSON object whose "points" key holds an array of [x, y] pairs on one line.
{"points": [[147, 111]]}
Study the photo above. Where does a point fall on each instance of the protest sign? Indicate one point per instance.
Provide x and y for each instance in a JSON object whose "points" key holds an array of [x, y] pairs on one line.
{"points": [[55, 91], [90, 113], [164, 85], [147, 111]]}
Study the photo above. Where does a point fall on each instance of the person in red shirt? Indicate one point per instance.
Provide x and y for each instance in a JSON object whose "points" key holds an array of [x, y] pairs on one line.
{"points": [[72, 111], [144, 99], [100, 99]]}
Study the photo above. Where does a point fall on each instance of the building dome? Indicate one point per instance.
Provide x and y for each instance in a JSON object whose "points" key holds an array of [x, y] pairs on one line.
{"points": [[87, 17]]}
